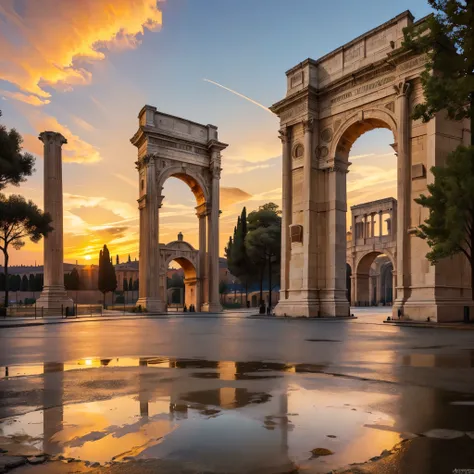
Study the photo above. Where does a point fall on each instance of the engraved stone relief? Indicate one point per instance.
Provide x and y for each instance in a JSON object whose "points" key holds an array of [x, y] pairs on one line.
{"points": [[327, 134], [296, 233], [390, 106], [298, 150]]}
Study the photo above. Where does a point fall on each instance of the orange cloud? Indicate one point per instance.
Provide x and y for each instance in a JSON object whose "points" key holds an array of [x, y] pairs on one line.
{"points": [[26, 98], [50, 42], [76, 150]]}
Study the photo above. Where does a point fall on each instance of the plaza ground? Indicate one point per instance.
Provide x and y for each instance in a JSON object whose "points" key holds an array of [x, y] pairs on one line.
{"points": [[232, 393]]}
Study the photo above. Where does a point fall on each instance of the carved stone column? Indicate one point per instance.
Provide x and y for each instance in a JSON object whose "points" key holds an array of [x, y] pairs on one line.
{"points": [[308, 127], [203, 295], [403, 190], [287, 212], [372, 225], [53, 297], [333, 301], [213, 228], [149, 269], [380, 224]]}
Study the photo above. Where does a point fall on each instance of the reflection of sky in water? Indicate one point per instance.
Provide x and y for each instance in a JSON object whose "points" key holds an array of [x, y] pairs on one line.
{"points": [[212, 428]]}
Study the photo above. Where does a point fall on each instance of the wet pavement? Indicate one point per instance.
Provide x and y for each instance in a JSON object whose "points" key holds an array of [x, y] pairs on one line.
{"points": [[235, 394]]}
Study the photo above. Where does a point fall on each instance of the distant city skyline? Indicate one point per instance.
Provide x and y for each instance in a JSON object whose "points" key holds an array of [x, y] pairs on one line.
{"points": [[191, 59]]}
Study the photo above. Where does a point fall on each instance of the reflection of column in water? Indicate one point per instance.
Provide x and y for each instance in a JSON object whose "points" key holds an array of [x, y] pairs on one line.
{"points": [[284, 421], [52, 397], [227, 371], [142, 390]]}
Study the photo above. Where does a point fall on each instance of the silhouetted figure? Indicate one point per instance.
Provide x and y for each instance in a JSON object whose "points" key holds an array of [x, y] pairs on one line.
{"points": [[185, 309], [269, 310], [248, 304]]}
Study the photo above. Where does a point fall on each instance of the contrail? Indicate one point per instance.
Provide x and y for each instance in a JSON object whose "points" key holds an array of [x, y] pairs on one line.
{"points": [[240, 95]]}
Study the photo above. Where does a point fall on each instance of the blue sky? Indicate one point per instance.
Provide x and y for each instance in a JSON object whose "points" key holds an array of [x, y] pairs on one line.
{"points": [[244, 45]]}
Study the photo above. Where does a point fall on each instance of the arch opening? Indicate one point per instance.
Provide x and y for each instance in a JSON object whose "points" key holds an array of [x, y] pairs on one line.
{"points": [[374, 280], [181, 284]]}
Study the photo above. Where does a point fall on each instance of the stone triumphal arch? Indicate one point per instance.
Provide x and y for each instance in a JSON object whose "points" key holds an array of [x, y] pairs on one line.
{"points": [[367, 83], [170, 146]]}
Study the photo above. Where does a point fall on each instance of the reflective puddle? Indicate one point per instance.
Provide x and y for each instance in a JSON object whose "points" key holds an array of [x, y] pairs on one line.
{"points": [[217, 416]]}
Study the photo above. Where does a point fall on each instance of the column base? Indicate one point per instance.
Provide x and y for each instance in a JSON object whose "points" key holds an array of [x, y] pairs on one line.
{"points": [[211, 308], [54, 300], [441, 311], [335, 308], [294, 308], [151, 304]]}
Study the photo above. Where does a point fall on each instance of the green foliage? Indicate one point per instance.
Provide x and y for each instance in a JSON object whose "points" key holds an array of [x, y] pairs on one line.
{"points": [[223, 288], [447, 38], [107, 278], [449, 227], [15, 166], [31, 283], [238, 260], [24, 283], [20, 219], [71, 280]]}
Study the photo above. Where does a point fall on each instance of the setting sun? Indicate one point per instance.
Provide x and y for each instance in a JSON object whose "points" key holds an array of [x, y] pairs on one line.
{"points": [[87, 257]]}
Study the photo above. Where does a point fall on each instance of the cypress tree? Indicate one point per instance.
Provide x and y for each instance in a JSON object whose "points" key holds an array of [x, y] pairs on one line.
{"points": [[31, 283]]}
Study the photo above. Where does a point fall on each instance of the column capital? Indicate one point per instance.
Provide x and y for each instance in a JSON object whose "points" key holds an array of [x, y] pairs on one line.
{"points": [[403, 88], [338, 165], [202, 210], [284, 134], [308, 125], [49, 136]]}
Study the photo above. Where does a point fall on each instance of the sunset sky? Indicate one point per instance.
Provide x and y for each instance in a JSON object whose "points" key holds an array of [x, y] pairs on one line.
{"points": [[85, 68]]}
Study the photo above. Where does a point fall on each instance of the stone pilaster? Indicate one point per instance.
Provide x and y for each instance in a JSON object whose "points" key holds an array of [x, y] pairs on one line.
{"points": [[333, 301], [203, 295], [149, 269], [403, 191], [214, 305], [53, 297]]}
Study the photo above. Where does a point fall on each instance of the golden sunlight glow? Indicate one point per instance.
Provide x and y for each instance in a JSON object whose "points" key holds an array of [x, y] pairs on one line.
{"points": [[87, 257]]}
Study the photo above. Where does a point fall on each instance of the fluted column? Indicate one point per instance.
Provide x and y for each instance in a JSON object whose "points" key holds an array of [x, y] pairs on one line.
{"points": [[53, 297], [287, 212], [403, 190]]}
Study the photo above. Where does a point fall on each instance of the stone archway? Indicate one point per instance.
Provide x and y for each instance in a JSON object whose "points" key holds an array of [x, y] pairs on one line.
{"points": [[170, 146], [368, 83], [188, 258]]}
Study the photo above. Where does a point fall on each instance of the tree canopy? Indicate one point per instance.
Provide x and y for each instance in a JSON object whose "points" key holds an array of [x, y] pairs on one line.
{"points": [[20, 219], [447, 39], [15, 166], [107, 277]]}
